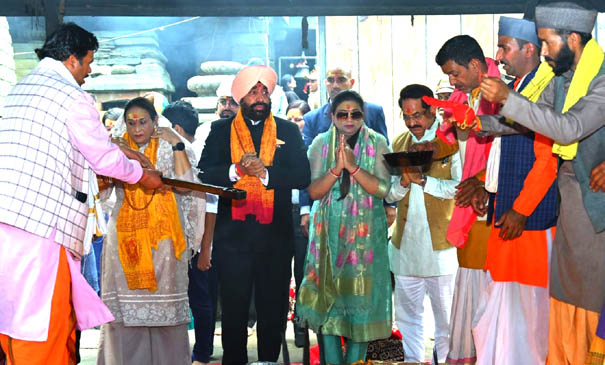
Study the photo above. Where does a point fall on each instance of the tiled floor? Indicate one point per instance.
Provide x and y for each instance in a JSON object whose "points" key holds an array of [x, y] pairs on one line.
{"points": [[90, 342]]}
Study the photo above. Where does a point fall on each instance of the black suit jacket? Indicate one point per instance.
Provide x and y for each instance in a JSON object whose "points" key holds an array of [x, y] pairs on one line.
{"points": [[290, 170]]}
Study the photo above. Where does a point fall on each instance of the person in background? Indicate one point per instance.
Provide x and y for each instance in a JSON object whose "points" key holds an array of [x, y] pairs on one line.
{"points": [[183, 117], [420, 257], [158, 100], [202, 287], [295, 113], [444, 90], [346, 290], [314, 99], [288, 83], [226, 107], [44, 296], [110, 117], [145, 256]]}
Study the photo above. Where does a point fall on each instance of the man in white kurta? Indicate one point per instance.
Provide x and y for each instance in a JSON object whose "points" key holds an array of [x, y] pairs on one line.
{"points": [[420, 265]]}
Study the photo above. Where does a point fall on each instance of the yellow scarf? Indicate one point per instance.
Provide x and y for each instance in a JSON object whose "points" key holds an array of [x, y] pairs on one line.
{"points": [[259, 200], [536, 86], [541, 79], [145, 218], [586, 70]]}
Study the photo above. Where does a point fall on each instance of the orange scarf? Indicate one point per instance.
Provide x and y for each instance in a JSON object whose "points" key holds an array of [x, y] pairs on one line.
{"points": [[145, 218], [259, 200]]}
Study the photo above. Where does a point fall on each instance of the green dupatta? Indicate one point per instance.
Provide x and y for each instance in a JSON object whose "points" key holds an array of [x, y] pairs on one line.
{"points": [[346, 257]]}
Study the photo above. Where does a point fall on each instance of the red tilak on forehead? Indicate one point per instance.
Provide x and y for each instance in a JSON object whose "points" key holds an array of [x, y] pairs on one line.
{"points": [[408, 111], [348, 107]]}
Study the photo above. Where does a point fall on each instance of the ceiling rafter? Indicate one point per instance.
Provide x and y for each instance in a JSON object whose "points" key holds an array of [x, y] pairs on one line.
{"points": [[271, 7]]}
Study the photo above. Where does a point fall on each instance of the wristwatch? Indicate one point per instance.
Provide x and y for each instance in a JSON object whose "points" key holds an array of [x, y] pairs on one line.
{"points": [[178, 147], [423, 180]]}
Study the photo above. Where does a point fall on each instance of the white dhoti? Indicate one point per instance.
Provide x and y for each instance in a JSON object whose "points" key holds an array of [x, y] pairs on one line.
{"points": [[471, 285], [513, 325]]}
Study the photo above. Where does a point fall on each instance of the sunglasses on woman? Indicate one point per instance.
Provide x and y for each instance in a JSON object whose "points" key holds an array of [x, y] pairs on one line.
{"points": [[344, 115]]}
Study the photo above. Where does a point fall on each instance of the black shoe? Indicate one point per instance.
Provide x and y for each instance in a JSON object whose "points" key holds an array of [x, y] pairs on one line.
{"points": [[299, 339], [299, 336]]}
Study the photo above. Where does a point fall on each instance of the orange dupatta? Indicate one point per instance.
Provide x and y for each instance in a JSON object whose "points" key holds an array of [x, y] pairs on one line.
{"points": [[259, 200], [145, 218]]}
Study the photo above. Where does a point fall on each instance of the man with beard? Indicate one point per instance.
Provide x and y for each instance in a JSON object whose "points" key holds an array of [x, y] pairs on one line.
{"points": [[253, 247], [571, 109], [203, 280], [226, 106], [51, 138]]}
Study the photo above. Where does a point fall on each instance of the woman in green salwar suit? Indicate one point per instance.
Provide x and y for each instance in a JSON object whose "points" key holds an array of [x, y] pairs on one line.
{"points": [[346, 290]]}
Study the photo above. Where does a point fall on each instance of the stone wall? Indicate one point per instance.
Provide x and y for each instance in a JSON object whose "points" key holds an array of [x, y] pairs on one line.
{"points": [[128, 67], [386, 53], [7, 63], [212, 75]]}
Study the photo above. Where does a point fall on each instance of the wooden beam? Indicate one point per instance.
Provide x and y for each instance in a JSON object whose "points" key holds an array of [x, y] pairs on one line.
{"points": [[52, 15], [184, 8]]}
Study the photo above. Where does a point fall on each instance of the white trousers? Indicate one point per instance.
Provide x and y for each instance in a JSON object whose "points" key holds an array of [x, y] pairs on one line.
{"points": [[409, 313]]}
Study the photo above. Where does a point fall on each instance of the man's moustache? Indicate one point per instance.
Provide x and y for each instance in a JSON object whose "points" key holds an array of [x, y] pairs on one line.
{"points": [[226, 114]]}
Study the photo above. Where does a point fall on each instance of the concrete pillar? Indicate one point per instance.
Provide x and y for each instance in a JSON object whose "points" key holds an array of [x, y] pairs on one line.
{"points": [[7, 63]]}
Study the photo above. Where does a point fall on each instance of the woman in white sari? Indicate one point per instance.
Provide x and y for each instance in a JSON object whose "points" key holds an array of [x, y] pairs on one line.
{"points": [[144, 262]]}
